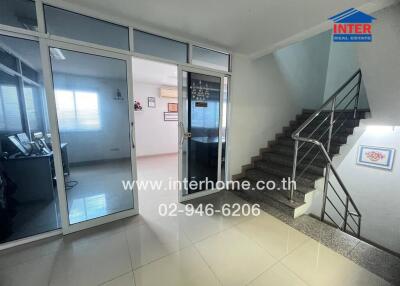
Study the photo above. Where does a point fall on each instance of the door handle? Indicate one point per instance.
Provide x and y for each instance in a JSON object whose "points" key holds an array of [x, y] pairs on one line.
{"points": [[132, 137], [184, 134]]}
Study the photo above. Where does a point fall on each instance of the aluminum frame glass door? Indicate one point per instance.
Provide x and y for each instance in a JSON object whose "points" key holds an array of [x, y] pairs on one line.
{"points": [[201, 142], [91, 103]]}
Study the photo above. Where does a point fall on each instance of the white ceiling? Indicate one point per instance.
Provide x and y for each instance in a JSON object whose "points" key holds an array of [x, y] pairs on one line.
{"points": [[246, 27]]}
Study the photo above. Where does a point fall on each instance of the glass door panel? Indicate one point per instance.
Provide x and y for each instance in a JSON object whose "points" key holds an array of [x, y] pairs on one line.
{"points": [[91, 95], [28, 187], [201, 140]]}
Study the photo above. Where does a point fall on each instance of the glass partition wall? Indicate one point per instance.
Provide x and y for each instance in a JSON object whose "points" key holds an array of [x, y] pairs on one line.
{"points": [[91, 94], [28, 190], [66, 116]]}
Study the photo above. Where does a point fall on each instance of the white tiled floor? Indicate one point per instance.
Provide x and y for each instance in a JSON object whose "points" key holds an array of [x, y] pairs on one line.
{"points": [[151, 250]]}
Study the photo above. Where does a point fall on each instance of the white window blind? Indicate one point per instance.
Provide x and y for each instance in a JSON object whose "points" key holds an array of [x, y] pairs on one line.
{"points": [[77, 110], [10, 114], [32, 109]]}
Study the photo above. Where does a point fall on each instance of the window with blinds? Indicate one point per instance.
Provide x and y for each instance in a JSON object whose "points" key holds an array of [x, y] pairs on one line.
{"points": [[77, 110], [32, 104], [10, 114]]}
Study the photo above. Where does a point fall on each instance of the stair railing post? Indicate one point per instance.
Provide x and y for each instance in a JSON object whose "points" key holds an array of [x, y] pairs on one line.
{"points": [[358, 96], [359, 226], [296, 149], [346, 214], [328, 165]]}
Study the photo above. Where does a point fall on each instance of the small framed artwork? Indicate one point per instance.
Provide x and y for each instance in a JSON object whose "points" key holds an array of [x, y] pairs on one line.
{"points": [[170, 116], [172, 107], [151, 102], [378, 157]]}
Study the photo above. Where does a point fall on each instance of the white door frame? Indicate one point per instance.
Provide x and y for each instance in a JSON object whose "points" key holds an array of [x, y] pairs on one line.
{"points": [[185, 68], [45, 45]]}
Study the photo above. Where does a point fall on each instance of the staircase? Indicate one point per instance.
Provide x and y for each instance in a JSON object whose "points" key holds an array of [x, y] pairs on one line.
{"points": [[303, 151]]}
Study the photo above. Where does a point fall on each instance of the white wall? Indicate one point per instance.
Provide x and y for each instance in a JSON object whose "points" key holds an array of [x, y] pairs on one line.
{"points": [[343, 63], [380, 63], [260, 106], [304, 67], [375, 191], [154, 136]]}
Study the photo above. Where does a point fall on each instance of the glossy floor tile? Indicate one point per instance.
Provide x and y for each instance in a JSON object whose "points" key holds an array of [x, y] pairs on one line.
{"points": [[318, 265], [278, 275], [274, 236], [124, 280], [185, 268], [152, 250], [154, 239], [92, 264], [234, 258]]}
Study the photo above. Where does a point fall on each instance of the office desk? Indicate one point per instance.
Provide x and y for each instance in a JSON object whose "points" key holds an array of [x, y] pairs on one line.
{"points": [[33, 175]]}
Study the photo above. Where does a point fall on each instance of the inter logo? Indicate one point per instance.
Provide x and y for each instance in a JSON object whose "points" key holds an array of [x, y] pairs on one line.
{"points": [[352, 26]]}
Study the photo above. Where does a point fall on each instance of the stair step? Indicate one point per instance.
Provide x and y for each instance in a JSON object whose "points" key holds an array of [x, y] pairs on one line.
{"points": [[287, 141], [288, 131], [281, 171], [315, 151], [350, 123], [348, 114], [275, 198], [255, 175], [315, 168]]}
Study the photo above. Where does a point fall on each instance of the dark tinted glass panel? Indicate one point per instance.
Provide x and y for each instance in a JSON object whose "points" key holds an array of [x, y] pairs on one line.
{"points": [[83, 28], [7, 59], [18, 13], [203, 105], [29, 72], [160, 47]]}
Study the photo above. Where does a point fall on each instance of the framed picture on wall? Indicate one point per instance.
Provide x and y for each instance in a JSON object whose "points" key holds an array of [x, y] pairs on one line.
{"points": [[172, 107], [378, 157], [170, 116], [151, 102]]}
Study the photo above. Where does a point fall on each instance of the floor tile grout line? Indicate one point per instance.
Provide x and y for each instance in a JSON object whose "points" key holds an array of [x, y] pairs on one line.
{"points": [[208, 266], [116, 277], [278, 260], [163, 256], [130, 254], [349, 257]]}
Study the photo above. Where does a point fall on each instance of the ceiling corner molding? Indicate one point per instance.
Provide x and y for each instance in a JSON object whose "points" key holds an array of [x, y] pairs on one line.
{"points": [[369, 7]]}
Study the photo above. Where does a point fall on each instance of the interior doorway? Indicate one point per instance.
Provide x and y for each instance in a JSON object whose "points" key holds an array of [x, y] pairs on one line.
{"points": [[155, 89]]}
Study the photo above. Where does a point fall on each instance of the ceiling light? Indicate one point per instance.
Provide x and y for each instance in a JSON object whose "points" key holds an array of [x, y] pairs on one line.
{"points": [[57, 54]]}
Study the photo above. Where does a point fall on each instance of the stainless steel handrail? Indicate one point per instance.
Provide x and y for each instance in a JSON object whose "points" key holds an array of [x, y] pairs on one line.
{"points": [[331, 102]]}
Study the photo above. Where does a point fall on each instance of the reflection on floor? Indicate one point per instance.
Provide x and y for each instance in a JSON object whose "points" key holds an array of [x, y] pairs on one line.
{"points": [[98, 190], [34, 218], [182, 250]]}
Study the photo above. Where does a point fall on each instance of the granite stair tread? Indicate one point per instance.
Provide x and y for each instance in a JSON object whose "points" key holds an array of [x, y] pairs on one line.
{"points": [[276, 162]]}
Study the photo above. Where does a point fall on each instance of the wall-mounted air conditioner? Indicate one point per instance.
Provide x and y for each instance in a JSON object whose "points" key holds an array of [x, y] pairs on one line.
{"points": [[169, 91]]}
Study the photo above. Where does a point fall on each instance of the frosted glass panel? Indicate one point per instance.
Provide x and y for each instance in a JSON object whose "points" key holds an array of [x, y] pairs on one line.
{"points": [[160, 47], [83, 28], [210, 59]]}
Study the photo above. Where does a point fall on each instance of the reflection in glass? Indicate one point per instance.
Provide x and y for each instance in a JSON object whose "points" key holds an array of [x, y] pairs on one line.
{"points": [[156, 46], [224, 156], [203, 113], [210, 59], [94, 125], [84, 28], [28, 197], [18, 13]]}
